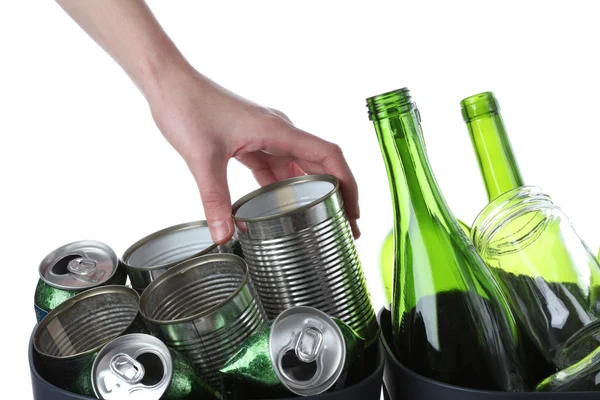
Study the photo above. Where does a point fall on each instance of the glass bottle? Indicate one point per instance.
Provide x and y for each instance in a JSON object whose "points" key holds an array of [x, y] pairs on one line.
{"points": [[450, 321], [500, 172], [547, 272], [497, 163], [386, 263]]}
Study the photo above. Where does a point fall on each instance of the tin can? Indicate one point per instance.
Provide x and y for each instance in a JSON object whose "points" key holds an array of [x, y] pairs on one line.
{"points": [[71, 334], [72, 269], [141, 366], [154, 254], [205, 308], [297, 241], [303, 350]]}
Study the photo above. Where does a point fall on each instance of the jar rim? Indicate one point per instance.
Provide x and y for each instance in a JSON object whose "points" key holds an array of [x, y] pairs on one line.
{"points": [[496, 214]]}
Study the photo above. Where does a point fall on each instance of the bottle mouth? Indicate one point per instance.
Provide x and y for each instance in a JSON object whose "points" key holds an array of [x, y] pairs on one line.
{"points": [[389, 104], [479, 105], [515, 207]]}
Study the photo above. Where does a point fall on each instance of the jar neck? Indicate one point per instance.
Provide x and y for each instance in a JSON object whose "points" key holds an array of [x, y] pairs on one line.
{"points": [[502, 210]]}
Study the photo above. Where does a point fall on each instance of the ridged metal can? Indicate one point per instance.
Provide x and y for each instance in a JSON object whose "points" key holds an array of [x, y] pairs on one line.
{"points": [[72, 269], [297, 241], [72, 334], [154, 254], [205, 308], [140, 366]]}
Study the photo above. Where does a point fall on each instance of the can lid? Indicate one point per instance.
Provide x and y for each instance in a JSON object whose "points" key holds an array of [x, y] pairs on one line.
{"points": [[133, 366], [79, 265], [307, 350]]}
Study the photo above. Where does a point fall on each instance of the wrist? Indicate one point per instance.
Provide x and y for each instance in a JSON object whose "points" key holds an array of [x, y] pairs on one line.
{"points": [[158, 70]]}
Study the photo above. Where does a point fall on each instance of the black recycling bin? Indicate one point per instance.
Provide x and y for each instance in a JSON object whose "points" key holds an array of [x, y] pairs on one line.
{"points": [[400, 383], [369, 387]]}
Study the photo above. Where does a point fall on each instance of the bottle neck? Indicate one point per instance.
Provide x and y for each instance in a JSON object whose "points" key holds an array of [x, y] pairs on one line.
{"points": [[495, 156], [414, 187]]}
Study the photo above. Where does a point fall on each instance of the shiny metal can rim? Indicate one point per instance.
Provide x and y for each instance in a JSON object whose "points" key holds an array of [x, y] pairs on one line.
{"points": [[97, 291], [135, 340], [155, 235], [286, 182], [182, 268], [70, 249]]}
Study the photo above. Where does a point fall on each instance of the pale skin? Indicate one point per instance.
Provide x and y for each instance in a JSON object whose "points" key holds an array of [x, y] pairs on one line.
{"points": [[205, 123]]}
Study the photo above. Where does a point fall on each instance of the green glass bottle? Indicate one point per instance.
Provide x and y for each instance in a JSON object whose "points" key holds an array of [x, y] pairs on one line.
{"points": [[450, 321], [495, 156], [501, 174], [386, 263]]}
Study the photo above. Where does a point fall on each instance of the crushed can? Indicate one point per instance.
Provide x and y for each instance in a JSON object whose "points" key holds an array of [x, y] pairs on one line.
{"points": [[303, 351]]}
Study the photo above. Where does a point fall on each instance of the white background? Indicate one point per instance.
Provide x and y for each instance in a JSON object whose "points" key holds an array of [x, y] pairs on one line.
{"points": [[80, 157]]}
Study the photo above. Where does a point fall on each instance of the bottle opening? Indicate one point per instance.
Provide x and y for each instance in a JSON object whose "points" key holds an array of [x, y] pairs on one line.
{"points": [[389, 104], [296, 369], [479, 105], [153, 368], [61, 267]]}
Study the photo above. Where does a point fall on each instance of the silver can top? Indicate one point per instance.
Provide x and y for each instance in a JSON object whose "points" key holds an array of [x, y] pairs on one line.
{"points": [[134, 366], [307, 350], [79, 265], [170, 246]]}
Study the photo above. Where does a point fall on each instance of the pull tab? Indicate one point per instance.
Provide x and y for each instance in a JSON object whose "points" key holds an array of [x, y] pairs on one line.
{"points": [[308, 345], [126, 368], [82, 266]]}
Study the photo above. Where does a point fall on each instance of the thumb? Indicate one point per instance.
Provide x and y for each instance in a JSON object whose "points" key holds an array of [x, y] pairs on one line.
{"points": [[210, 174]]}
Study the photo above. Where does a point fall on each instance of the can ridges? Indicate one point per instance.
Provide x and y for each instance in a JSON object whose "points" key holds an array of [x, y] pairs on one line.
{"points": [[208, 353], [81, 340], [308, 258]]}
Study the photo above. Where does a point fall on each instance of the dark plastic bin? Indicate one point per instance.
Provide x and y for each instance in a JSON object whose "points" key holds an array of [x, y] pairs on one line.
{"points": [[369, 388], [401, 383]]}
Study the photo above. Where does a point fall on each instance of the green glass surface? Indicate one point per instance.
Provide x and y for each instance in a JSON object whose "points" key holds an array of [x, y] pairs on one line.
{"points": [[386, 263], [497, 163], [450, 320]]}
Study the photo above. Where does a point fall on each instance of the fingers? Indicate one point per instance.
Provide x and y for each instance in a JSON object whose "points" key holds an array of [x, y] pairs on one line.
{"points": [[259, 166], [210, 173], [268, 169], [317, 155]]}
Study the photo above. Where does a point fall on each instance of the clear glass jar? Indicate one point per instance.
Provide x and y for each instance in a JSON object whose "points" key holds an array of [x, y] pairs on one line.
{"points": [[548, 274]]}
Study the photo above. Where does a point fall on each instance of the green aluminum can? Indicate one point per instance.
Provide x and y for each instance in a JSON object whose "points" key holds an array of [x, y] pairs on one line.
{"points": [[72, 269], [141, 366], [303, 351]]}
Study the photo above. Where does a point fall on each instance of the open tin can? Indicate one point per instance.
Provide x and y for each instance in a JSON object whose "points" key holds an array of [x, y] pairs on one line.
{"points": [[153, 255], [297, 240]]}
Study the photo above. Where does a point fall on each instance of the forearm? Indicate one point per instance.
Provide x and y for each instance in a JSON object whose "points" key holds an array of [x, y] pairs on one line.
{"points": [[129, 33]]}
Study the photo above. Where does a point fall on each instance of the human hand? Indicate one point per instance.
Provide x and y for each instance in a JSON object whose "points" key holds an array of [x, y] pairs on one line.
{"points": [[208, 125]]}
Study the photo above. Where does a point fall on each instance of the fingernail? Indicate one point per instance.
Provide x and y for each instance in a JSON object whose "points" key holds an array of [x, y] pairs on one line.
{"points": [[219, 231]]}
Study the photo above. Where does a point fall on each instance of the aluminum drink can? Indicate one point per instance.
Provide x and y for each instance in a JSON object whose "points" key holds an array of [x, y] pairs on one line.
{"points": [[141, 366], [153, 255], [72, 334], [72, 269], [303, 350]]}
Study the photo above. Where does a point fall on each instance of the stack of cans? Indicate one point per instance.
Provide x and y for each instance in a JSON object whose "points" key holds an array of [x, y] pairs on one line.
{"points": [[281, 310]]}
